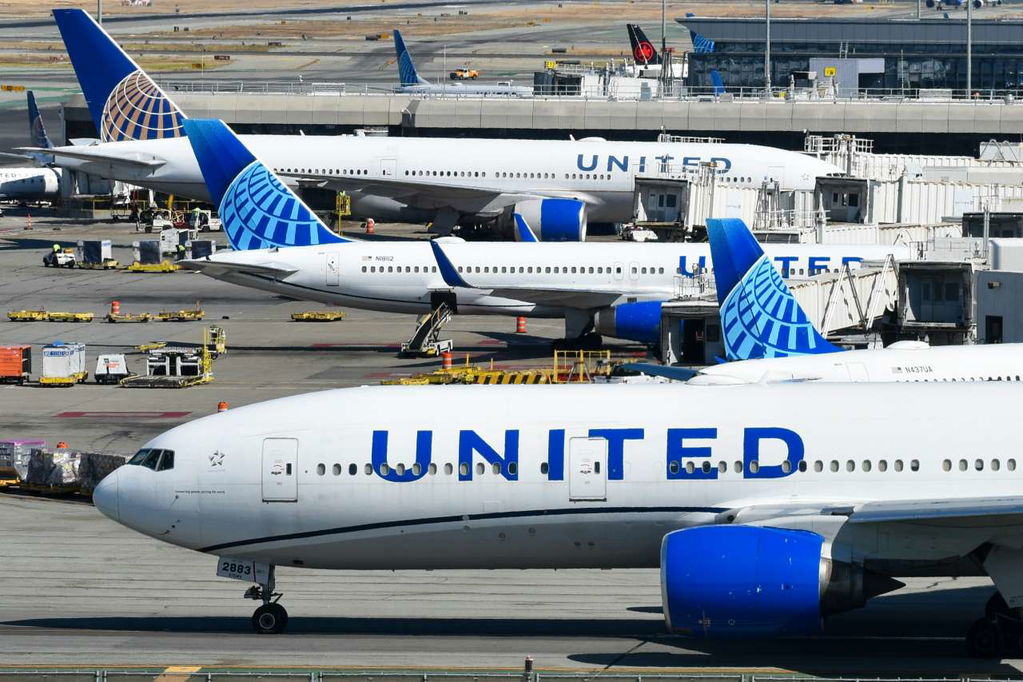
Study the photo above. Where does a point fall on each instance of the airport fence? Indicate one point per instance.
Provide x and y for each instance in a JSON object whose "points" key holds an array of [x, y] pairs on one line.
{"points": [[188, 674]]}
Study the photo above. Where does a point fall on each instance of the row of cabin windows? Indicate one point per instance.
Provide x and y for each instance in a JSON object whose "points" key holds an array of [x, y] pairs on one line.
{"points": [[818, 466], [398, 268], [1005, 378], [978, 465], [448, 174], [325, 171], [510, 468]]}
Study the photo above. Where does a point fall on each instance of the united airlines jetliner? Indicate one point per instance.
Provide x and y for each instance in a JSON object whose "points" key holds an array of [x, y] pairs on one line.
{"points": [[761, 504], [559, 186], [771, 337], [412, 82], [617, 288], [32, 183]]}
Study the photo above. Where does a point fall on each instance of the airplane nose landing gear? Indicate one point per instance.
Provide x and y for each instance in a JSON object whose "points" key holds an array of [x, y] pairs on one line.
{"points": [[271, 618]]}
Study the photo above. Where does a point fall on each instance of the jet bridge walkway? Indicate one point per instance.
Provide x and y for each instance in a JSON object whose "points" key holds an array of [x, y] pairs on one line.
{"points": [[849, 300]]}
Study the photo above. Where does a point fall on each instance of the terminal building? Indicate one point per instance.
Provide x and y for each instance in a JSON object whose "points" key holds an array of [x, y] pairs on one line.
{"points": [[904, 55]]}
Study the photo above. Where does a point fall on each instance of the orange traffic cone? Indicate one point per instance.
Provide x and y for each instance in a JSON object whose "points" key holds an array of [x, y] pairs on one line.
{"points": [[370, 225], [520, 325], [445, 360], [115, 307], [222, 406]]}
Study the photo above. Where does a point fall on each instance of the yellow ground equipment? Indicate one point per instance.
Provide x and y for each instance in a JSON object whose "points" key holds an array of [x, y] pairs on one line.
{"points": [[576, 366], [193, 315], [44, 316], [568, 367], [174, 367], [319, 316], [129, 317], [162, 266], [464, 74], [152, 345], [215, 340], [63, 364]]}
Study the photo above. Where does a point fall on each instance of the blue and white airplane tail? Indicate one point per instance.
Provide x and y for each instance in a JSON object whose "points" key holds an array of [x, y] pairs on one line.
{"points": [[760, 318], [407, 73], [257, 209], [717, 82], [35, 125], [124, 102]]}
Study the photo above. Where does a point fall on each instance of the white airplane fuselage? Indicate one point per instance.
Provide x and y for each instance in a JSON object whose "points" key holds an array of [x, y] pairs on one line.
{"points": [[404, 276], [900, 362], [566, 476], [29, 184], [600, 173]]}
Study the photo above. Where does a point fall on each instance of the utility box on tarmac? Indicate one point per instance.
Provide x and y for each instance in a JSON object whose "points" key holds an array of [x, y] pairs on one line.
{"points": [[15, 363], [63, 364], [111, 368]]}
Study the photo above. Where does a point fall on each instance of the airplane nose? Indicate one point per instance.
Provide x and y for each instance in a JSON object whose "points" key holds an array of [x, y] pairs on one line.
{"points": [[105, 496]]}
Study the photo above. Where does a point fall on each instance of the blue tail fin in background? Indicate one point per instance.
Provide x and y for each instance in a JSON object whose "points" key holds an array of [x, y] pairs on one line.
{"points": [[760, 317], [257, 209], [124, 102], [701, 44], [407, 73], [717, 82], [36, 129]]}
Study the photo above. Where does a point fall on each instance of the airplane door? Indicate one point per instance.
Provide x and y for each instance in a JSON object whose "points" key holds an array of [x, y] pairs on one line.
{"points": [[587, 473], [857, 372], [333, 269], [280, 470], [388, 168]]}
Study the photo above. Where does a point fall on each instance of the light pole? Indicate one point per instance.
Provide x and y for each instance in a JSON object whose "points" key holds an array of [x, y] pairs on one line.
{"points": [[969, 49], [664, 39], [99, 11], [767, 48]]}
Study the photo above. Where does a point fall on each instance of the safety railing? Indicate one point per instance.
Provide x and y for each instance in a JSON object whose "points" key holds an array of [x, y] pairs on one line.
{"points": [[526, 675]]}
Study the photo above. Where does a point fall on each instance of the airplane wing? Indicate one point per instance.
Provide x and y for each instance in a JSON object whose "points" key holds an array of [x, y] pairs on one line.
{"points": [[967, 512], [134, 163], [218, 268], [465, 197], [582, 299]]}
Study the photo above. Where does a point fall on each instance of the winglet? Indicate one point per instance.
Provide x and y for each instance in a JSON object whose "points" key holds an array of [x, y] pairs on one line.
{"points": [[407, 74], [448, 271], [257, 209], [523, 232], [35, 124], [759, 315], [124, 102]]}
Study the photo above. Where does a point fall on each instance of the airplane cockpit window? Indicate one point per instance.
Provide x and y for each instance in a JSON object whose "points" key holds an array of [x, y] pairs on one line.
{"points": [[157, 460]]}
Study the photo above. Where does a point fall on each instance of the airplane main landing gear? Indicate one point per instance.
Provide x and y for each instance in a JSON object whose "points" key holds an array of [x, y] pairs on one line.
{"points": [[271, 618], [999, 631]]}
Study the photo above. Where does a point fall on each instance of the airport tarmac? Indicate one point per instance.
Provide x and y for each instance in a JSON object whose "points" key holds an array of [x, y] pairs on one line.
{"points": [[82, 590]]}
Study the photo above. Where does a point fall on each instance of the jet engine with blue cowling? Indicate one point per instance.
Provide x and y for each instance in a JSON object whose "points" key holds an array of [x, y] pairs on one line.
{"points": [[752, 581], [554, 220], [636, 321]]}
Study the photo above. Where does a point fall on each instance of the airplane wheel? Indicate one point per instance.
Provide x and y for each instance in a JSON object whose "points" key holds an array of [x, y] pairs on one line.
{"points": [[270, 619], [996, 606], [984, 639]]}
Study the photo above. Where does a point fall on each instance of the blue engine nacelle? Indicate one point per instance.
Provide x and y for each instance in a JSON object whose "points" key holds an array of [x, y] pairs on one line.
{"points": [[747, 581], [639, 321], [555, 220]]}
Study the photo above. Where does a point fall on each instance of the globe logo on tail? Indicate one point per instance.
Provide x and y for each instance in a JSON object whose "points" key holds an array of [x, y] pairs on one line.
{"points": [[259, 212], [761, 318], [138, 110]]}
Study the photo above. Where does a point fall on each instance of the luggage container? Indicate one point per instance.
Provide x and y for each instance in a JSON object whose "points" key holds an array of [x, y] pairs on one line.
{"points": [[14, 457], [15, 363], [96, 254], [63, 364]]}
